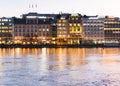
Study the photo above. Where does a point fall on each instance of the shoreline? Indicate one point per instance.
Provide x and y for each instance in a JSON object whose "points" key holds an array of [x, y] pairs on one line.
{"points": [[57, 46]]}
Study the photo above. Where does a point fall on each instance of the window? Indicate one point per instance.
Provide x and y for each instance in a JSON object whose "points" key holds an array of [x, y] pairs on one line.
{"points": [[64, 21], [19, 26], [74, 24], [31, 26], [2, 23], [19, 34], [43, 34], [63, 24], [4, 19], [47, 34], [15, 30], [35, 30], [43, 29], [10, 24], [43, 26], [72, 18], [27, 26], [39, 29], [70, 24], [59, 24], [78, 28], [40, 34], [76, 18], [59, 20], [19, 30], [78, 24], [9, 20], [47, 29], [35, 26]]}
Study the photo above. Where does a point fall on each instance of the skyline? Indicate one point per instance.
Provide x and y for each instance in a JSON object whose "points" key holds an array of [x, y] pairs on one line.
{"points": [[84, 7]]}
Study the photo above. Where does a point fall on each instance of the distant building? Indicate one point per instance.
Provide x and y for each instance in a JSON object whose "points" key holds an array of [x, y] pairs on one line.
{"points": [[62, 29], [93, 28], [75, 28], [6, 30], [45, 31], [32, 29], [112, 29]]}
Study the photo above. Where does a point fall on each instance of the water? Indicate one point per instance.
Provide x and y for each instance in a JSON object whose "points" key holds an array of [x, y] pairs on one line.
{"points": [[60, 67]]}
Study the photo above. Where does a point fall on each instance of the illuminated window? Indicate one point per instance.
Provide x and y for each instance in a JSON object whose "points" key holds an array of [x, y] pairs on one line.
{"points": [[10, 30], [59, 28], [78, 24], [2, 23], [3, 30], [70, 24], [76, 18], [47, 29], [72, 18], [43, 29], [44, 20], [10, 24], [59, 21], [4, 19], [9, 20], [63, 24], [4, 27], [39, 29], [74, 24], [10, 27], [64, 21], [59, 24]]}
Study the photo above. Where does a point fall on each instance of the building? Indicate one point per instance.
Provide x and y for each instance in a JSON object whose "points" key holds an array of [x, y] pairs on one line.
{"points": [[45, 31], [32, 29], [112, 29], [54, 34], [60, 29], [93, 29], [75, 28], [63, 29], [6, 30]]}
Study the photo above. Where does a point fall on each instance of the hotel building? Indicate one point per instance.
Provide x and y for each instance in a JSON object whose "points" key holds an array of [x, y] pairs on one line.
{"points": [[32, 29], [112, 29], [93, 28], [6, 30], [75, 29], [62, 29]]}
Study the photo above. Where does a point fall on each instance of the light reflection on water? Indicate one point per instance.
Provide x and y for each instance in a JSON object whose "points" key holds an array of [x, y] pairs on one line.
{"points": [[59, 66]]}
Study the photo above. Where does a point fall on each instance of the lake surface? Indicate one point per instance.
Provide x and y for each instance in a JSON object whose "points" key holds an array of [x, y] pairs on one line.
{"points": [[60, 67]]}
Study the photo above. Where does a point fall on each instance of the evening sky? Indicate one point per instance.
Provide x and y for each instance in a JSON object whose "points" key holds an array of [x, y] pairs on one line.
{"points": [[89, 7]]}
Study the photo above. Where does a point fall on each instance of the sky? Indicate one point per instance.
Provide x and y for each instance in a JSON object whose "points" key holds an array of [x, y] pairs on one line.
{"points": [[10, 8]]}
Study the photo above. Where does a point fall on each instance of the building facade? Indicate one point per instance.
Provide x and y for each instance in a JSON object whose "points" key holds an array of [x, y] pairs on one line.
{"points": [[93, 28], [112, 29], [32, 29], [75, 28], [63, 29], [6, 30], [60, 29]]}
